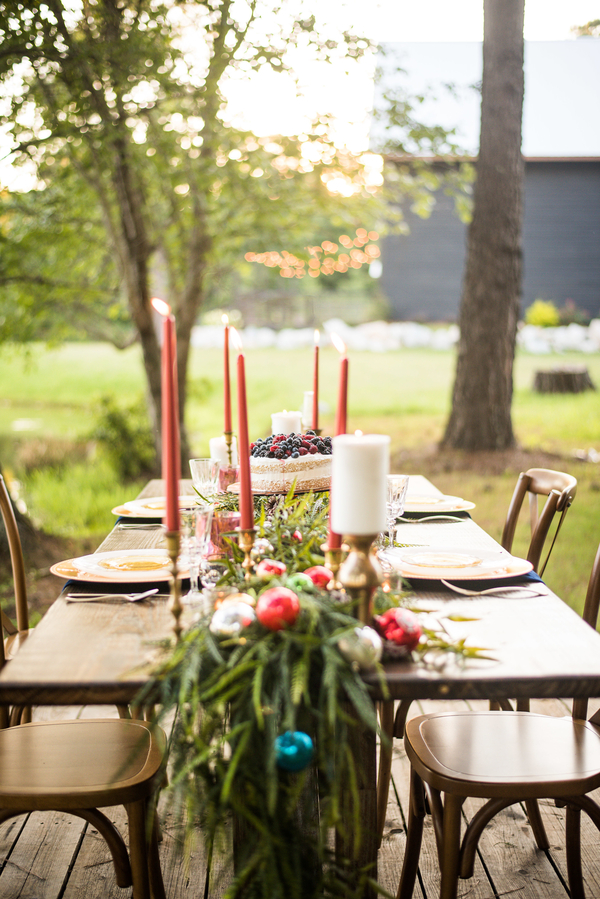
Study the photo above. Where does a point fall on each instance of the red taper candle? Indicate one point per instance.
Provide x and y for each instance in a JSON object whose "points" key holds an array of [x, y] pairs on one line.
{"points": [[342, 404], [226, 381], [246, 502], [334, 540], [315, 407], [170, 416]]}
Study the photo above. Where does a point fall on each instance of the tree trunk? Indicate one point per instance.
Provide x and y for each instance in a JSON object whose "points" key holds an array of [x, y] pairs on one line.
{"points": [[481, 402]]}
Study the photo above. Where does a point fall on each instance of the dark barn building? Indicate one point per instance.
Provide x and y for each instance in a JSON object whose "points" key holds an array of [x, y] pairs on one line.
{"points": [[422, 271]]}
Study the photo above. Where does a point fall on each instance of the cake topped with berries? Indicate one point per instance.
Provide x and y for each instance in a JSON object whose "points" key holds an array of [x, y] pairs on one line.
{"points": [[276, 462]]}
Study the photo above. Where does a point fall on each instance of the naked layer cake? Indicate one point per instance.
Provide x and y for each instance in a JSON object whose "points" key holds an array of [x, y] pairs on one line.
{"points": [[276, 462]]}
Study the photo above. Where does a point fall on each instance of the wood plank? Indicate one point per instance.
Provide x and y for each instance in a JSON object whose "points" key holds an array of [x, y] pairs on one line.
{"points": [[590, 845], [392, 850], [533, 659], [39, 862], [93, 874], [515, 864]]}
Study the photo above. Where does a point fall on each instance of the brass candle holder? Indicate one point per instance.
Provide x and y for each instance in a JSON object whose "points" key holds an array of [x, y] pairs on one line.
{"points": [[246, 542], [175, 584], [228, 435], [333, 560], [360, 574]]}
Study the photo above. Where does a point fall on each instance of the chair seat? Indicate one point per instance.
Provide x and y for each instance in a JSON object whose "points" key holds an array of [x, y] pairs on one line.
{"points": [[78, 764], [489, 753], [14, 642]]}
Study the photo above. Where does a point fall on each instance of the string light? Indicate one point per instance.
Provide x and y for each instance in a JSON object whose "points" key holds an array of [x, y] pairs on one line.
{"points": [[324, 259]]}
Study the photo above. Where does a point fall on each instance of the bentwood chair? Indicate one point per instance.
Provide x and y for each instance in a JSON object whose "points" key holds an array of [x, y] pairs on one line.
{"points": [[504, 757], [80, 765], [15, 635], [559, 489]]}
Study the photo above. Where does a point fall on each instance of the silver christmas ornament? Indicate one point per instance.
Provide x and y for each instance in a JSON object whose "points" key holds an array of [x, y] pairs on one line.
{"points": [[231, 618], [362, 647], [261, 549]]}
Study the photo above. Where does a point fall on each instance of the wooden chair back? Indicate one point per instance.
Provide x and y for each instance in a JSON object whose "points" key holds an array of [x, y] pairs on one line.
{"points": [[590, 612], [560, 490], [17, 564]]}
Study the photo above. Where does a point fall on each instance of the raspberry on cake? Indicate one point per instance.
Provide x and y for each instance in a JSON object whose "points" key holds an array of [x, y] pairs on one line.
{"points": [[277, 461]]}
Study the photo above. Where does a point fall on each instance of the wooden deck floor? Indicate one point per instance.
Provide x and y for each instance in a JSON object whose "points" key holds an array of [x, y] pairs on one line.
{"points": [[53, 856]]}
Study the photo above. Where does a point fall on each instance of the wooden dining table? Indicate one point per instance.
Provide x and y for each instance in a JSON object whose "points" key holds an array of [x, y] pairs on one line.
{"points": [[533, 646]]}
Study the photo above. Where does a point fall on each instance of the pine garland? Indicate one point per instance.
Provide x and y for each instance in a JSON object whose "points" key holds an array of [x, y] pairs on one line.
{"points": [[234, 696]]}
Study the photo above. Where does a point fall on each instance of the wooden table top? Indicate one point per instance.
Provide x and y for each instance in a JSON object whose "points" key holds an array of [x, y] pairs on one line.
{"points": [[102, 653]]}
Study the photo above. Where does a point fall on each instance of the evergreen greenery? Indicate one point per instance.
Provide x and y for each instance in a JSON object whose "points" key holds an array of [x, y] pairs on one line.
{"points": [[234, 696]]}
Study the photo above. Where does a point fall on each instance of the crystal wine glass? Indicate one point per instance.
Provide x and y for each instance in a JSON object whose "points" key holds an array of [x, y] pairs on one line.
{"points": [[205, 477], [397, 485], [198, 550]]}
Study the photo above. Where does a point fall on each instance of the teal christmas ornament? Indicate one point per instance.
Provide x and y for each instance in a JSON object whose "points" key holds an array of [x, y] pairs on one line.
{"points": [[293, 750]]}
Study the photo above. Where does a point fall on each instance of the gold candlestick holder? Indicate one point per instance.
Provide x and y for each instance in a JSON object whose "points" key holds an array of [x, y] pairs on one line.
{"points": [[246, 542], [333, 560], [360, 574], [175, 584], [228, 435]]}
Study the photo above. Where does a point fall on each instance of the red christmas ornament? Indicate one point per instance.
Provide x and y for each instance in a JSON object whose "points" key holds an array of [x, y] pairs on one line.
{"points": [[270, 568], [319, 575], [400, 626], [277, 608]]}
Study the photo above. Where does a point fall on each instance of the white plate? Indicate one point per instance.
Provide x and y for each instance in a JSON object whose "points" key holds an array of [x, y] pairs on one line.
{"points": [[437, 503], [152, 506], [455, 564], [123, 565]]}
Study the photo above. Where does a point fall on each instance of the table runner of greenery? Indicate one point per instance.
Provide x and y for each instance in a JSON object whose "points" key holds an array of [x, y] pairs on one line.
{"points": [[235, 695]]}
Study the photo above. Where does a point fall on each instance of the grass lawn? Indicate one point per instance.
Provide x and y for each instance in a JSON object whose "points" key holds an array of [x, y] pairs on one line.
{"points": [[50, 399]]}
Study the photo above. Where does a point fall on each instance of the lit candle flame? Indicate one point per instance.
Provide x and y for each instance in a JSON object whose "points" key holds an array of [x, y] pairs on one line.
{"points": [[161, 307], [316, 337], [339, 344], [225, 318], [236, 340]]}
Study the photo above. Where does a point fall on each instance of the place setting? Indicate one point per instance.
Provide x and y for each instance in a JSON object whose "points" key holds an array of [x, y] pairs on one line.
{"points": [[123, 566], [152, 507], [432, 505]]}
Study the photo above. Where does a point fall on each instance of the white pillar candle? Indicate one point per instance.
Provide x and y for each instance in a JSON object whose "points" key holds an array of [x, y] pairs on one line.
{"points": [[218, 450], [286, 422], [360, 465], [307, 409]]}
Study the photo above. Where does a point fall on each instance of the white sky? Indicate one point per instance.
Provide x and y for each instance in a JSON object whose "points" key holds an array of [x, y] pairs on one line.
{"points": [[462, 20], [268, 104], [349, 96]]}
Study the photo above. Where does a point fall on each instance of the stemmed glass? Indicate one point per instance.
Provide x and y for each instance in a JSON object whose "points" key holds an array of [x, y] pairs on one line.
{"points": [[205, 476], [397, 485], [197, 523]]}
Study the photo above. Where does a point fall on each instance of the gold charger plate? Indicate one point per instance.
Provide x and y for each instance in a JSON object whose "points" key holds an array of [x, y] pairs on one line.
{"points": [[151, 506], [457, 564], [131, 566], [437, 503]]}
